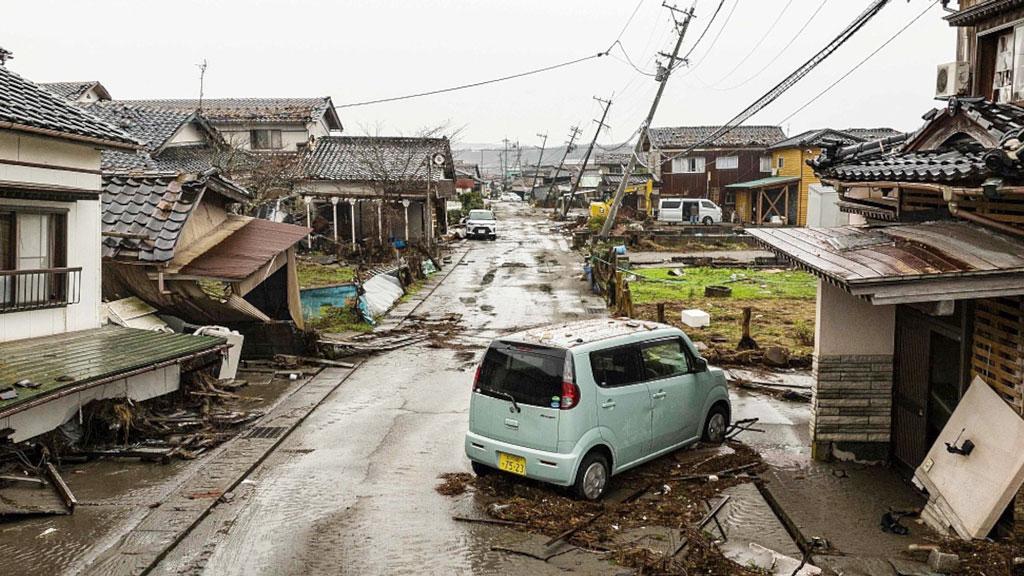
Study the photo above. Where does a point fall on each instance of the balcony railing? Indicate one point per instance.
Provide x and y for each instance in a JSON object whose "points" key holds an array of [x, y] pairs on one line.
{"points": [[37, 289]]}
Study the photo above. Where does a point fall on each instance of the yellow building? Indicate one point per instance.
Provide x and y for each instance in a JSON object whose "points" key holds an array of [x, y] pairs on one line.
{"points": [[783, 197]]}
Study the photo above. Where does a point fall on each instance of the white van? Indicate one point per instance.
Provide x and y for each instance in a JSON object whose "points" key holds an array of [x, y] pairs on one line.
{"points": [[680, 209]]}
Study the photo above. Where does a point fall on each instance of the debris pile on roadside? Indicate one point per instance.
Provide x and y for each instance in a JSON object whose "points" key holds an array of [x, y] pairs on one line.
{"points": [[438, 331], [679, 492]]}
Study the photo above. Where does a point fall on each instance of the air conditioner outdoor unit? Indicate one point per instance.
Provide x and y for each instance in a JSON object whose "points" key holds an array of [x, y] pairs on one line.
{"points": [[952, 79]]}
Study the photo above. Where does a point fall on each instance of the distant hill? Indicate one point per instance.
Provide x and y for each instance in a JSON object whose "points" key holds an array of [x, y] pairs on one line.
{"points": [[488, 156]]}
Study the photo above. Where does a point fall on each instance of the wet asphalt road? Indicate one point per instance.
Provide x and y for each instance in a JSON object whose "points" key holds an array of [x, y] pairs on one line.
{"points": [[352, 489]]}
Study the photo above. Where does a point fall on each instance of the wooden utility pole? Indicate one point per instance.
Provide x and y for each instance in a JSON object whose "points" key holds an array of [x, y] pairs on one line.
{"points": [[536, 171], [586, 157], [663, 76], [569, 147], [504, 167]]}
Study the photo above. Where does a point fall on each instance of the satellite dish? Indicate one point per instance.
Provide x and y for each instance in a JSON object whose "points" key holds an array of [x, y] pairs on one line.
{"points": [[438, 159]]}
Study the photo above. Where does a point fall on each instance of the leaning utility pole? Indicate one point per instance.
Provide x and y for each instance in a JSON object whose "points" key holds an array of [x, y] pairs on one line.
{"points": [[575, 132], [586, 157], [504, 167], [536, 171], [663, 76]]}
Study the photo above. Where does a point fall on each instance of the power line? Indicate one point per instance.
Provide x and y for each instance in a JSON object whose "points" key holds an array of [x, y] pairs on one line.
{"points": [[757, 44], [474, 84], [861, 63], [626, 25], [792, 40], [706, 28], [717, 36], [791, 80]]}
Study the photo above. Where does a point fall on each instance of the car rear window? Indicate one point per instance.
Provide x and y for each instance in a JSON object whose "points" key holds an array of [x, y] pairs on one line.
{"points": [[531, 374], [481, 215]]}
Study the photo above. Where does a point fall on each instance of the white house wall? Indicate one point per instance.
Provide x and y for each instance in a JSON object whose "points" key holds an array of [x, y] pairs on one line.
{"points": [[238, 135], [83, 219]]}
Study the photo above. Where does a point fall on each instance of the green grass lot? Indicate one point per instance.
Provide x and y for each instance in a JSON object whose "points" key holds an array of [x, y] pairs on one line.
{"points": [[312, 275], [746, 284]]}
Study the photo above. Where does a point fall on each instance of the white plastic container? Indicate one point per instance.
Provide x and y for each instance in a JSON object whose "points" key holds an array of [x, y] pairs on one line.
{"points": [[696, 318], [229, 366]]}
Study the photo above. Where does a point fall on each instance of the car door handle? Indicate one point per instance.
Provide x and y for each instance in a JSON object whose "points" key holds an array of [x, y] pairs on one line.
{"points": [[659, 395], [608, 405]]}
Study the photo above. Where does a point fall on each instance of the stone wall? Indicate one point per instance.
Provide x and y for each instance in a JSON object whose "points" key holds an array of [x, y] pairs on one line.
{"points": [[852, 406]]}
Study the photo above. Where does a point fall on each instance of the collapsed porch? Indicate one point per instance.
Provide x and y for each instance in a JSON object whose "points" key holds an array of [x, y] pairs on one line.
{"points": [[767, 200]]}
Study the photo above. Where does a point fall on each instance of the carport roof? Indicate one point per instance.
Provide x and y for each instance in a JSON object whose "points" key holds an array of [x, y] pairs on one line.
{"points": [[927, 262], [768, 182]]}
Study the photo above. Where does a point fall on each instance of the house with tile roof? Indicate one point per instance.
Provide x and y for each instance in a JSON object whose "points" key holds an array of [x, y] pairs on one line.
{"points": [[170, 215], [389, 188], [50, 272], [924, 291], [261, 124], [793, 190], [740, 155], [85, 92]]}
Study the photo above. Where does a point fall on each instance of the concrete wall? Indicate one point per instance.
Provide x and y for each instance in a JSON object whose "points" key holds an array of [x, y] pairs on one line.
{"points": [[853, 370], [189, 134], [83, 219]]}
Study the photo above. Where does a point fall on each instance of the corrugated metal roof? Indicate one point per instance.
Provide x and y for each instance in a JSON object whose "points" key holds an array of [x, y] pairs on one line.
{"points": [[764, 182], [905, 263], [77, 358], [243, 253]]}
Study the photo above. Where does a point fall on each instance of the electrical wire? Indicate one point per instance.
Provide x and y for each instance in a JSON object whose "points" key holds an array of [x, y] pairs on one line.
{"points": [[756, 44], [764, 69], [626, 26], [861, 63], [706, 28], [794, 77], [714, 41], [474, 84]]}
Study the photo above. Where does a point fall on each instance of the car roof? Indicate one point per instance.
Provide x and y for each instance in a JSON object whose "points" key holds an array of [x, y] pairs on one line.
{"points": [[580, 332]]}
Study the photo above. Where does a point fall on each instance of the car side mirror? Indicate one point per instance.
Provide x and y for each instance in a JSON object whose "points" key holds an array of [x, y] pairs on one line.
{"points": [[700, 365]]}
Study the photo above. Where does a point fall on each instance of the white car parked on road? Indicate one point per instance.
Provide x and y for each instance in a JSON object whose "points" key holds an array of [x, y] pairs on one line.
{"points": [[673, 210]]}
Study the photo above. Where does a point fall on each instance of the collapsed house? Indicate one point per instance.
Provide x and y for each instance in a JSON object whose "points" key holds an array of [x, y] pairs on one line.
{"points": [[55, 354], [173, 235]]}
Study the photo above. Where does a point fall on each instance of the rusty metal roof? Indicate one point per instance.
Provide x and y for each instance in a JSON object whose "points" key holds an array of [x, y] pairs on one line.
{"points": [[78, 359], [932, 261], [243, 253]]}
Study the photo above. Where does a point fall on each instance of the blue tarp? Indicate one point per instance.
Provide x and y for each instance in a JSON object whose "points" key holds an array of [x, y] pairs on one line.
{"points": [[314, 298]]}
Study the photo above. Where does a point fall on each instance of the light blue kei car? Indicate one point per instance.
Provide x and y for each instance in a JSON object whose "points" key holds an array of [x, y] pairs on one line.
{"points": [[574, 404]]}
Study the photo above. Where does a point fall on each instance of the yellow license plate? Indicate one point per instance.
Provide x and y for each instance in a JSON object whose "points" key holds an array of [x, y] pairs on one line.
{"points": [[513, 464]]}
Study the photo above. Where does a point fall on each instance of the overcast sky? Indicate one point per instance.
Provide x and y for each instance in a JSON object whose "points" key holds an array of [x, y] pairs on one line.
{"points": [[367, 49]]}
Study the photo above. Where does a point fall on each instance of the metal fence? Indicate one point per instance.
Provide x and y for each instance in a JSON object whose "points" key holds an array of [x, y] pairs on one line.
{"points": [[37, 289]]}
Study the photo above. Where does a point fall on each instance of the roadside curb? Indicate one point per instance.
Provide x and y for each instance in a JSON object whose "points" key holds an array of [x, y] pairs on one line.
{"points": [[399, 314], [140, 549]]}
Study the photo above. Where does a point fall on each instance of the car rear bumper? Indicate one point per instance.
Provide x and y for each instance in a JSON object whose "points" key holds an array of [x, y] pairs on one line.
{"points": [[545, 466]]}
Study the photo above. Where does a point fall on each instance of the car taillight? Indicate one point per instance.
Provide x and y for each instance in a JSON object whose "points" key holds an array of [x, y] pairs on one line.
{"points": [[476, 378], [570, 395], [570, 391]]}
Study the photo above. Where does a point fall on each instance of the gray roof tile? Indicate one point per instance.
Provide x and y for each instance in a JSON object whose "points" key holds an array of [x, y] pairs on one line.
{"points": [[252, 110], [373, 158], [686, 136], [25, 103]]}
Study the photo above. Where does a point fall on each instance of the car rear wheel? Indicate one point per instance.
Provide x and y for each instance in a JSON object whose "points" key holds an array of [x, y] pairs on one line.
{"points": [[481, 470], [708, 221], [592, 477], [716, 424]]}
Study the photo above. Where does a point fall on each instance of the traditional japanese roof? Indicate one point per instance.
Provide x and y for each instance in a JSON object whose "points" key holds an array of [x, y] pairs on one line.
{"points": [[614, 180], [74, 90], [742, 136], [817, 138], [254, 110], [956, 145], [27, 107], [871, 133], [144, 215], [612, 159], [983, 10], [151, 126], [377, 158], [246, 251], [906, 263], [87, 358]]}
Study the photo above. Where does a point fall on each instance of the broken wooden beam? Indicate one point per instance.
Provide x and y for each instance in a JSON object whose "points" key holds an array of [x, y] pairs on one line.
{"points": [[575, 528], [62, 489]]}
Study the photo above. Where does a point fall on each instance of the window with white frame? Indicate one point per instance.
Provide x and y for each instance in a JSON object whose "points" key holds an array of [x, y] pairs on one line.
{"points": [[766, 163], [688, 165], [728, 163]]}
